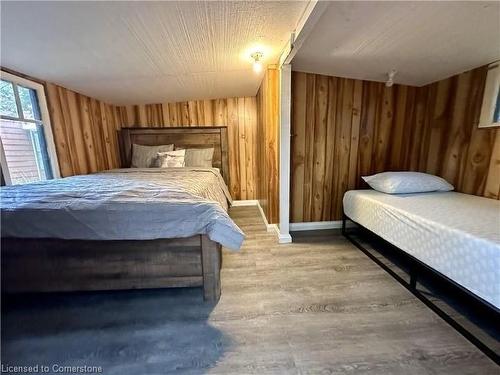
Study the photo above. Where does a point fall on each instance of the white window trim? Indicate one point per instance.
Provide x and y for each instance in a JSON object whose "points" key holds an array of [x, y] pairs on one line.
{"points": [[490, 96], [47, 126]]}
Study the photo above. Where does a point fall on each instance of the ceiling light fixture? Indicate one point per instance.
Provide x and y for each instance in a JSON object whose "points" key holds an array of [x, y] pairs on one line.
{"points": [[390, 80], [257, 63]]}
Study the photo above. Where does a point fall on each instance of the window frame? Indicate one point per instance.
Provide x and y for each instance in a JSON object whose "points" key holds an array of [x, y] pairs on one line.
{"points": [[45, 121], [490, 96]]}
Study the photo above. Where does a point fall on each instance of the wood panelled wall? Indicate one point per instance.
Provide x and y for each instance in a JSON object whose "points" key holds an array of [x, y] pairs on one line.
{"points": [[453, 145], [238, 114], [343, 129], [268, 145], [84, 132]]}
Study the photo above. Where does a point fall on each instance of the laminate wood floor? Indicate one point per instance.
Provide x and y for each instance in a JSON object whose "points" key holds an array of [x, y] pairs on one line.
{"points": [[317, 306]]}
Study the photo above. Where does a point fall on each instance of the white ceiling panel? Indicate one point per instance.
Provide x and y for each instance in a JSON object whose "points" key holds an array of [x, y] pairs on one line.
{"points": [[146, 52], [423, 41]]}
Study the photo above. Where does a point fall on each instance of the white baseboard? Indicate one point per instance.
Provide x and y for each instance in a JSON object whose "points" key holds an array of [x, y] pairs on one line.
{"points": [[294, 227], [317, 225], [273, 228], [284, 238], [269, 227], [240, 203]]}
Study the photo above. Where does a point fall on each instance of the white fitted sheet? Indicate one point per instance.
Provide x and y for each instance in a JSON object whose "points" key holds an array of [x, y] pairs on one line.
{"points": [[455, 234], [123, 204]]}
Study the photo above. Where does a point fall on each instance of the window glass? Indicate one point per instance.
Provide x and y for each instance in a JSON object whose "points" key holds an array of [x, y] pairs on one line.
{"points": [[496, 114], [22, 134], [27, 97], [24, 155], [8, 105]]}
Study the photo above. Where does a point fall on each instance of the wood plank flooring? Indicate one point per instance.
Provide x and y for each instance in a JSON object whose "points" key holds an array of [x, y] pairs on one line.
{"points": [[317, 306]]}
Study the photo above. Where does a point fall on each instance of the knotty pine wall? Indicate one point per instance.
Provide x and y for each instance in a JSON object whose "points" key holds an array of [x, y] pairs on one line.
{"points": [[268, 145], [84, 131], [238, 114], [343, 129]]}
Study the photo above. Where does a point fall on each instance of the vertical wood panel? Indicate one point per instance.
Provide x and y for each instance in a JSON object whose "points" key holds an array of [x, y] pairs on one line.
{"points": [[355, 129], [319, 147], [267, 145], [78, 122], [371, 128], [330, 148], [298, 145], [233, 140]]}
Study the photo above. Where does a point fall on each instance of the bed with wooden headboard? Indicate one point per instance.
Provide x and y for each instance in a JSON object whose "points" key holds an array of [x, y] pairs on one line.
{"points": [[53, 264], [192, 137]]}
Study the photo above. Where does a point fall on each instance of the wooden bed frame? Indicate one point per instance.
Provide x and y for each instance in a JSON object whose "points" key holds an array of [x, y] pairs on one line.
{"points": [[46, 265]]}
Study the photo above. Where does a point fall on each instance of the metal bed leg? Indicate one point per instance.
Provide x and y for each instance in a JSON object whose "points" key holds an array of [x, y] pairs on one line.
{"points": [[412, 287]]}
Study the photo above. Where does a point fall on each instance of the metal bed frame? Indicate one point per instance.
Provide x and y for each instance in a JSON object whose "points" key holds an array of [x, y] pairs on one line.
{"points": [[417, 267]]}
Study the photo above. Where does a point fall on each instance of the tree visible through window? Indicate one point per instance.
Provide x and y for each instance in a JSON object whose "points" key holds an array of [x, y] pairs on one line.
{"points": [[22, 134]]}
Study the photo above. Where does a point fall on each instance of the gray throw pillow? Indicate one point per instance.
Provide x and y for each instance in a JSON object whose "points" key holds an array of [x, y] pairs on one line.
{"points": [[199, 157], [145, 156]]}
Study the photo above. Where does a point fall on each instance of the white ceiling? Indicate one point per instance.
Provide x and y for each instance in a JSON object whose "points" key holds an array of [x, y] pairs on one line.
{"points": [[423, 41], [146, 52]]}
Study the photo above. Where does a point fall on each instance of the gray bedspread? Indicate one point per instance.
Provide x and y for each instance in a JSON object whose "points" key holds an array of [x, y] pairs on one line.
{"points": [[122, 204]]}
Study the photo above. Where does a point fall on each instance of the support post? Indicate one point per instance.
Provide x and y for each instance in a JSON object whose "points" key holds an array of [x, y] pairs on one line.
{"points": [[211, 261], [284, 168]]}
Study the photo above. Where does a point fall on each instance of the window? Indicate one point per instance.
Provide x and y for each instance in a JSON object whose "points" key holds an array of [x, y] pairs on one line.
{"points": [[490, 110], [27, 150]]}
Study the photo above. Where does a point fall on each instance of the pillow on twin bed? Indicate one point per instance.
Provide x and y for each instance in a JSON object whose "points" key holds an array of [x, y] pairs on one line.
{"points": [[199, 157], [171, 159], [145, 156], [407, 182]]}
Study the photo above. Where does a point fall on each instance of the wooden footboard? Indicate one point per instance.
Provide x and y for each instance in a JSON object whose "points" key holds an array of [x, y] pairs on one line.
{"points": [[46, 265]]}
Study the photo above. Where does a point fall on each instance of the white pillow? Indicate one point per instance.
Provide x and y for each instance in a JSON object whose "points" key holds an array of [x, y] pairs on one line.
{"points": [[171, 159], [407, 182], [145, 156]]}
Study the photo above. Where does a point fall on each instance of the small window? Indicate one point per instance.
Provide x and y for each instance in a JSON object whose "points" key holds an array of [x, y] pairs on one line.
{"points": [[490, 110], [27, 149]]}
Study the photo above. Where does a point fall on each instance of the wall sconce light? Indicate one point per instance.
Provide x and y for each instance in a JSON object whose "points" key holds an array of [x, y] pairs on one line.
{"points": [[257, 63]]}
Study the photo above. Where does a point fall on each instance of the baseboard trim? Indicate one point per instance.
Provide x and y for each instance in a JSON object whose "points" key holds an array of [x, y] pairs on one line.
{"points": [[240, 203], [317, 225], [273, 228], [284, 238], [294, 227], [269, 227]]}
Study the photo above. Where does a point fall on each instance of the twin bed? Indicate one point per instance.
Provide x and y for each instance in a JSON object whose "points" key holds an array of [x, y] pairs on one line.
{"points": [[125, 228], [457, 235]]}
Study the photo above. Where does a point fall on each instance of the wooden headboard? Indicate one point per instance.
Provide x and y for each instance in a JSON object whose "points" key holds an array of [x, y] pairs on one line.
{"points": [[192, 137]]}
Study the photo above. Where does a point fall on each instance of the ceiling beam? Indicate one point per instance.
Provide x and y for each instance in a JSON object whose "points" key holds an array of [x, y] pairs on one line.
{"points": [[307, 21]]}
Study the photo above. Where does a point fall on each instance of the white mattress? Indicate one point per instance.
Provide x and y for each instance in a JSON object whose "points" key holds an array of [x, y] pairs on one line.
{"points": [[124, 204], [455, 234]]}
